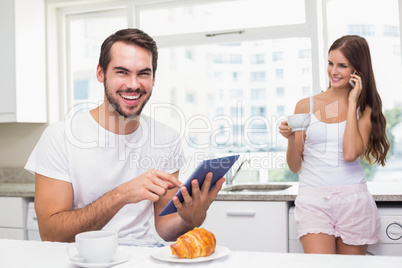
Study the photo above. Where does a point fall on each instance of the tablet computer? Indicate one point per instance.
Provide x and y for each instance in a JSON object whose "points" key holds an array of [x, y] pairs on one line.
{"points": [[218, 166]]}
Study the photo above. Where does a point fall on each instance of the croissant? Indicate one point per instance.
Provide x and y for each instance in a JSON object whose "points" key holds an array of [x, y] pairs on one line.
{"points": [[193, 244]]}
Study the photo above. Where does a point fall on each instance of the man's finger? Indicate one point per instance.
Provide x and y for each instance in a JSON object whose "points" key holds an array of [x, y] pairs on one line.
{"points": [[177, 203], [217, 187], [207, 182], [172, 180]]}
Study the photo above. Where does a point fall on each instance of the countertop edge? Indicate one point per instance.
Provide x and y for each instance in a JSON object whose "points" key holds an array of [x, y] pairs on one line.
{"points": [[17, 189], [291, 198], [27, 189]]}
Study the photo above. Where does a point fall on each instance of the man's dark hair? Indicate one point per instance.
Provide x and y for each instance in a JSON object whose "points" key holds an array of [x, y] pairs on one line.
{"points": [[130, 36]]}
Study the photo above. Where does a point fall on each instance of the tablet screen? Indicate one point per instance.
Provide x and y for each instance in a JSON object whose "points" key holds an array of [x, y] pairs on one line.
{"points": [[218, 166]]}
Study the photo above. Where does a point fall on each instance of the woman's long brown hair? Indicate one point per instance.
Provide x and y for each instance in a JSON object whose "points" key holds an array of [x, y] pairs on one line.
{"points": [[357, 52]]}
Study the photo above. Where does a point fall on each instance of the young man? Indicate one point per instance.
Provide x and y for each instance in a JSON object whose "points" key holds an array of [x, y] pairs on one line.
{"points": [[90, 172]]}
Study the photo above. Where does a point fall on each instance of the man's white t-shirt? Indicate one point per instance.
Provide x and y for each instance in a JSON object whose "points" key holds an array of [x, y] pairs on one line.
{"points": [[96, 161]]}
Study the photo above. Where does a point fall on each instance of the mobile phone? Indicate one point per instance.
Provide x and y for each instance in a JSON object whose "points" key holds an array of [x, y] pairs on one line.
{"points": [[351, 82]]}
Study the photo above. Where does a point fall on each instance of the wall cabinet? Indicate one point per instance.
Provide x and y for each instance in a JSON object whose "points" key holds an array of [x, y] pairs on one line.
{"points": [[13, 217], [249, 225], [22, 65]]}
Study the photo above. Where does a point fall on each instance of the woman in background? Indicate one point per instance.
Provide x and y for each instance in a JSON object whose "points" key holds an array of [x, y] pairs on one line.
{"points": [[334, 210]]}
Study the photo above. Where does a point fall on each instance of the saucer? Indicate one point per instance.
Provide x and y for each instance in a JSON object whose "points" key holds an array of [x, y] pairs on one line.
{"points": [[118, 258]]}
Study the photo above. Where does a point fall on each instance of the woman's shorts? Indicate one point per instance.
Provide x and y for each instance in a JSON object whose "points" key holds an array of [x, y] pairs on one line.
{"points": [[348, 212]]}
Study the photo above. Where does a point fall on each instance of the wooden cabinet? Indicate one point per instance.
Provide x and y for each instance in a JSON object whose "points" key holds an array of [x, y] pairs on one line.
{"points": [[13, 217], [249, 225], [22, 64]]}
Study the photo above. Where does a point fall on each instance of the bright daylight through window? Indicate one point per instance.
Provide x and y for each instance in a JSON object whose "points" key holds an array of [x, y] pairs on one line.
{"points": [[226, 84]]}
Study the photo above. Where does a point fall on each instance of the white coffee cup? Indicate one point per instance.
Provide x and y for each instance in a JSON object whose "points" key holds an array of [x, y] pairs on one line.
{"points": [[97, 246], [299, 122]]}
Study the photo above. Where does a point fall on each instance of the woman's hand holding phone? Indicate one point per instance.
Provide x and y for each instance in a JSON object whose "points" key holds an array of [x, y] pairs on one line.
{"points": [[356, 89]]}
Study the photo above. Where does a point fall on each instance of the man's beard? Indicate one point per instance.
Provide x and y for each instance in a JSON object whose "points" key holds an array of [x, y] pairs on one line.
{"points": [[115, 104]]}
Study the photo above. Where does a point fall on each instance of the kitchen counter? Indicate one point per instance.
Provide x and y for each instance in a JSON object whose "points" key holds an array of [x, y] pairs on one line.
{"points": [[18, 253], [17, 189], [381, 191], [16, 182]]}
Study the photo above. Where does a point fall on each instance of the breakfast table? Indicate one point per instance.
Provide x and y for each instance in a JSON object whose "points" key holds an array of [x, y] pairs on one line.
{"points": [[23, 253]]}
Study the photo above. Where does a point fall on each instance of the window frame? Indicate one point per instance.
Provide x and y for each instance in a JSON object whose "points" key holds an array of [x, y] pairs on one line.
{"points": [[58, 12], [59, 81]]}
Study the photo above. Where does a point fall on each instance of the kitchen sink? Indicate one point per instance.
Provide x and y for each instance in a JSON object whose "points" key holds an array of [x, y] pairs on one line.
{"points": [[256, 187]]}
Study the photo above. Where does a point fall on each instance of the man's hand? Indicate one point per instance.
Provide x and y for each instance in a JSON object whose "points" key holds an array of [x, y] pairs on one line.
{"points": [[193, 210], [59, 222], [149, 186]]}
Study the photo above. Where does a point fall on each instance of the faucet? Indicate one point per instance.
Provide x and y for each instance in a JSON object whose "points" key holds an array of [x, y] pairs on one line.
{"points": [[232, 175]]}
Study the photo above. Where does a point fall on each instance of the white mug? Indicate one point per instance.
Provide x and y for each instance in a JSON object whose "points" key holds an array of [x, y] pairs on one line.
{"points": [[97, 246]]}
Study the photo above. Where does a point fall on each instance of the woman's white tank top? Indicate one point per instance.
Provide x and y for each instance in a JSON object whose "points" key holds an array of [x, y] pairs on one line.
{"points": [[323, 162]]}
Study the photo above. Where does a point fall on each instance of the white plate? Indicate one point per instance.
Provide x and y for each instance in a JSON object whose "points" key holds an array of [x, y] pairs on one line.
{"points": [[118, 258], [165, 254]]}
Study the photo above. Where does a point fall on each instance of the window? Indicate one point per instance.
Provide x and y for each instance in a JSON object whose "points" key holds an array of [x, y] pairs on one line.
{"points": [[235, 76], [258, 111], [257, 59], [81, 89], [236, 112], [220, 94], [207, 17], [256, 87], [173, 101], [236, 93], [280, 91], [189, 54], [280, 109], [257, 76], [228, 59], [396, 50], [307, 91], [389, 30], [204, 74], [364, 30], [278, 55], [86, 34], [220, 111], [304, 54], [190, 97], [258, 93], [279, 73], [218, 76], [229, 70], [306, 70], [383, 37]]}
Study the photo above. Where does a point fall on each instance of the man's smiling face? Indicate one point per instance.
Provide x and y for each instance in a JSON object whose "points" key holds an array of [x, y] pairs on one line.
{"points": [[129, 79]]}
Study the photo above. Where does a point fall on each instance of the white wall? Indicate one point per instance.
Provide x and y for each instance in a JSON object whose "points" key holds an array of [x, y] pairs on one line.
{"points": [[17, 141]]}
